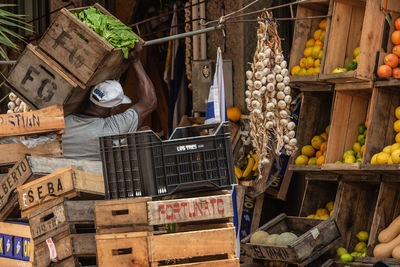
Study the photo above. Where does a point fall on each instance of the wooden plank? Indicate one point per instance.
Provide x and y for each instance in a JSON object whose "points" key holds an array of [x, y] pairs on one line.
{"points": [[12, 262], [15, 229], [16, 151], [192, 244], [59, 213], [69, 182], [258, 207], [47, 165], [121, 212], [353, 86], [16, 237], [41, 82], [217, 263], [49, 119], [189, 209], [391, 5], [16, 177]]}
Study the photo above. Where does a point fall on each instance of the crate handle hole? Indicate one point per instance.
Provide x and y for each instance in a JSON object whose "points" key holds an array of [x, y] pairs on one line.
{"points": [[121, 251], [120, 212], [48, 72], [47, 217]]}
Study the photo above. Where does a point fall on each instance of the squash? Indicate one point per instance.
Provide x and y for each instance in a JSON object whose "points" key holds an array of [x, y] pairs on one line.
{"points": [[396, 252], [384, 250], [390, 232]]}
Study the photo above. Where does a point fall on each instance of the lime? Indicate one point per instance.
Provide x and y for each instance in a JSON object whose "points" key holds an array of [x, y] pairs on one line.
{"points": [[352, 65], [361, 128], [346, 258], [341, 251], [361, 139], [349, 152], [362, 236], [338, 162]]}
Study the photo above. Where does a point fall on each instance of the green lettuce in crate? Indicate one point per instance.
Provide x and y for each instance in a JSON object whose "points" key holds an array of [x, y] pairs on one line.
{"points": [[112, 30]]}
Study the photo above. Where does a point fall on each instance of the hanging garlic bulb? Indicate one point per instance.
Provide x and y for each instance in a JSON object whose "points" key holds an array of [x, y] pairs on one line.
{"points": [[249, 74]]}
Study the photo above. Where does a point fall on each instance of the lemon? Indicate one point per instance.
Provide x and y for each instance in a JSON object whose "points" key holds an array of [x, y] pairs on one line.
{"points": [[338, 162], [357, 147], [356, 52], [327, 129], [394, 147], [312, 161], [308, 52], [309, 62], [346, 258], [390, 160], [310, 43], [349, 152], [295, 70], [362, 150], [397, 112], [325, 216], [317, 34], [322, 36], [358, 155], [302, 62], [329, 205], [373, 159], [382, 158], [349, 159], [316, 71], [320, 55], [311, 216], [316, 142], [331, 213], [310, 71], [360, 246], [356, 59], [315, 51], [317, 63], [301, 160], [302, 72], [341, 251], [395, 157], [387, 149], [362, 236], [396, 126], [397, 138]]}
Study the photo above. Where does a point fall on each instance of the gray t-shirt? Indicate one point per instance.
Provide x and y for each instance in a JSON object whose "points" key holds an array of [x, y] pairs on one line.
{"points": [[82, 132]]}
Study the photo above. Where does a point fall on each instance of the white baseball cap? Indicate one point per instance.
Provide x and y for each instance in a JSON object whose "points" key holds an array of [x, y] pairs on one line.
{"points": [[108, 94]]}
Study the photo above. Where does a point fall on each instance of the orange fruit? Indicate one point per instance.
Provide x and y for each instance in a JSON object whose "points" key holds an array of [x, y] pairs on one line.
{"points": [[321, 212], [316, 141], [391, 60], [307, 151], [303, 62], [318, 154], [396, 73], [324, 146], [319, 43], [233, 114], [384, 71], [396, 37], [397, 24], [310, 43], [322, 24], [321, 160], [317, 34], [324, 136], [396, 50]]}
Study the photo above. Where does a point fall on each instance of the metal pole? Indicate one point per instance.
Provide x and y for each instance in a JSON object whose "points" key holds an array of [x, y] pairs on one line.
{"points": [[183, 35]]}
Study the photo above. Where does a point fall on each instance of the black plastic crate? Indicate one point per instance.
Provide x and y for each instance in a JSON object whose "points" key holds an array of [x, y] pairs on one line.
{"points": [[141, 164]]}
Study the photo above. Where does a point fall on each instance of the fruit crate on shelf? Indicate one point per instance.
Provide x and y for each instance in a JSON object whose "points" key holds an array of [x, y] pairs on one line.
{"points": [[315, 114], [354, 208], [319, 190], [315, 237], [303, 31], [350, 109], [141, 164], [353, 24]]}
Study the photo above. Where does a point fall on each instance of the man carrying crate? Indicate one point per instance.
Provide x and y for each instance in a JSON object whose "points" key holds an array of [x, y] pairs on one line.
{"points": [[99, 117]]}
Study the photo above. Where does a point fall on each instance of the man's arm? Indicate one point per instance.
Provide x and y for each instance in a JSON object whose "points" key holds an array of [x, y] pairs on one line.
{"points": [[147, 102]]}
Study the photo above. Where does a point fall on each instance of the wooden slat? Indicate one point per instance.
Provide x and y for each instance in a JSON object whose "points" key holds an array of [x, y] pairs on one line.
{"points": [[11, 262], [15, 229], [189, 209], [16, 151], [47, 165], [218, 263], [66, 182], [192, 244], [49, 119]]}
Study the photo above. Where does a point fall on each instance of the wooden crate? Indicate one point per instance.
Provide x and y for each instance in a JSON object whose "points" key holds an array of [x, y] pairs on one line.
{"points": [[146, 249], [66, 244], [81, 51], [315, 116], [354, 23], [320, 189], [41, 82], [354, 208], [68, 182], [303, 31], [16, 244], [78, 215], [315, 237], [124, 215], [334, 263], [350, 108]]}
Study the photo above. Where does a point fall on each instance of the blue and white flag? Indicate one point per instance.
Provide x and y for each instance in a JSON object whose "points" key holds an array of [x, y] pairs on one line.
{"points": [[216, 108]]}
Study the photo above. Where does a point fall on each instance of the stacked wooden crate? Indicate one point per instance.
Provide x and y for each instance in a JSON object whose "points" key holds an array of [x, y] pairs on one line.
{"points": [[69, 59], [190, 231]]}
